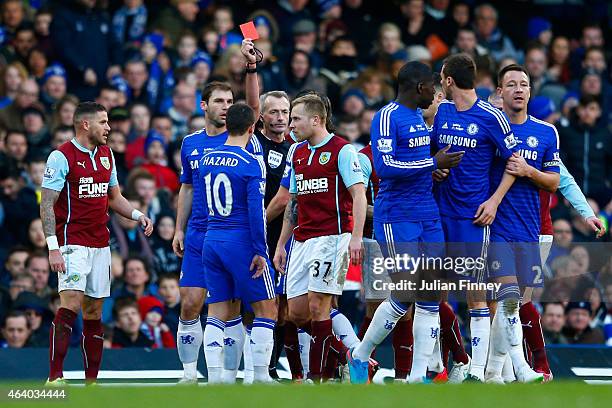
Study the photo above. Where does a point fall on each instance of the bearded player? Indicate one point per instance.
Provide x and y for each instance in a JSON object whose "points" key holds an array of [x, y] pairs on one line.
{"points": [[79, 185]]}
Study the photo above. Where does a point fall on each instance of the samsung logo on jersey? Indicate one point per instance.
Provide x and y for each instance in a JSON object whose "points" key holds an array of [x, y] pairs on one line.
{"points": [[459, 141], [310, 186], [220, 161], [529, 154], [419, 141]]}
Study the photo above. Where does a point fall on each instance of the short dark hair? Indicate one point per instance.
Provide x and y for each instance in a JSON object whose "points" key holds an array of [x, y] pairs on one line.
{"points": [[167, 276], [124, 303], [509, 68], [16, 314], [587, 99], [15, 249], [62, 128], [11, 132], [210, 87], [411, 74], [462, 68], [348, 119], [545, 305], [87, 108], [240, 117], [35, 254]]}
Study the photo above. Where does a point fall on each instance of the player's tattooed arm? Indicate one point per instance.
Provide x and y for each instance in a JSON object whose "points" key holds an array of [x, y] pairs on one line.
{"points": [[48, 199], [289, 222], [291, 210]]}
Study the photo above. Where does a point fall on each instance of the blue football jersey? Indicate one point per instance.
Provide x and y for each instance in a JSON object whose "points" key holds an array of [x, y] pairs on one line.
{"points": [[234, 183], [401, 152], [518, 215], [479, 131], [193, 148]]}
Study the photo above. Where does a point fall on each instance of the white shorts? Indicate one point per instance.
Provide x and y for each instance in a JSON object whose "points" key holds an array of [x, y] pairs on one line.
{"points": [[546, 242], [318, 265], [88, 270]]}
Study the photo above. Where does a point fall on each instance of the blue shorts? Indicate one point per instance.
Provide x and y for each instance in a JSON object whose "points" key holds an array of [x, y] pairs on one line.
{"points": [[281, 279], [520, 259], [420, 238], [228, 274], [467, 244], [192, 270]]}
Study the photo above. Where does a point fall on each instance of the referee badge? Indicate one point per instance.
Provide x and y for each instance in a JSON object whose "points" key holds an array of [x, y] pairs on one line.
{"points": [[324, 157], [105, 162]]}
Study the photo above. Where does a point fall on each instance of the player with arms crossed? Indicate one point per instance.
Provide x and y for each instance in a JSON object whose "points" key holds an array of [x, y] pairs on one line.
{"points": [[405, 212], [235, 249], [327, 188], [514, 257], [217, 97], [79, 185]]}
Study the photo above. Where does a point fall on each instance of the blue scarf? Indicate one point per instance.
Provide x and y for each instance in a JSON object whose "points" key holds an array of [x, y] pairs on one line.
{"points": [[138, 27]]}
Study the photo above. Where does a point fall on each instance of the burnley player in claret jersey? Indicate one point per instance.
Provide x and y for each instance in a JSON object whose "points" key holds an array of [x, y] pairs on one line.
{"points": [[327, 187], [514, 255], [79, 185]]}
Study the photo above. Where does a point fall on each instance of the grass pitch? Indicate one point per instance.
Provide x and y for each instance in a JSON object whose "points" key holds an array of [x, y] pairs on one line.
{"points": [[557, 394]]}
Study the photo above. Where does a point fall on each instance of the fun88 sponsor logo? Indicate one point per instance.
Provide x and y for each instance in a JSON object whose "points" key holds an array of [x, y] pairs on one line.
{"points": [[311, 186], [89, 189]]}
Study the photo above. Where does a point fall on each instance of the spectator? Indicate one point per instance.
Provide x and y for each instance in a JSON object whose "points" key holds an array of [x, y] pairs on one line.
{"points": [[42, 25], [75, 27], [577, 328], [165, 260], [16, 331], [10, 116], [14, 264], [36, 236], [136, 279], [129, 24], [348, 128], [374, 89], [33, 119], [140, 118], [37, 64], [119, 119], [54, 86], [117, 142], [587, 149], [553, 320], [12, 76], [64, 111], [156, 163], [305, 39], [536, 63], [592, 36], [540, 30], [126, 236], [300, 75], [151, 313], [340, 67], [169, 293], [558, 59], [490, 36], [61, 134], [108, 97], [389, 49], [230, 68], [358, 13], [16, 146], [162, 124], [466, 42], [141, 183], [127, 331], [37, 265], [562, 239], [136, 75], [23, 43], [19, 205], [176, 18], [22, 282], [13, 14], [35, 171], [39, 317], [183, 106]]}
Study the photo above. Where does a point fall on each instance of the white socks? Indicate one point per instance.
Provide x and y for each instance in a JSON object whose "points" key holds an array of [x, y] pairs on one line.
{"points": [[188, 342], [304, 341], [213, 349], [248, 359], [343, 328], [233, 345], [262, 343], [480, 331], [383, 322], [426, 330]]}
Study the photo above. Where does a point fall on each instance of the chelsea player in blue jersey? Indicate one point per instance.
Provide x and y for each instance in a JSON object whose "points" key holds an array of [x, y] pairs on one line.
{"points": [[235, 248], [406, 217], [217, 97], [514, 256], [466, 206]]}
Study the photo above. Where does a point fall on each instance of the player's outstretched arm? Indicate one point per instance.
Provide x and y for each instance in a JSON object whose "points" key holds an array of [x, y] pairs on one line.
{"points": [[278, 204], [122, 206], [360, 205], [47, 215], [570, 190], [289, 223], [251, 81], [546, 180], [183, 211], [485, 215]]}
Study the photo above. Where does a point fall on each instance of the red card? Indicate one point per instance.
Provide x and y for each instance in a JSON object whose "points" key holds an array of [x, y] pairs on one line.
{"points": [[249, 30]]}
